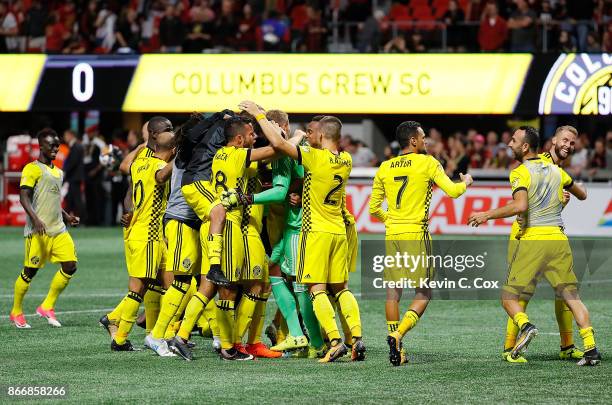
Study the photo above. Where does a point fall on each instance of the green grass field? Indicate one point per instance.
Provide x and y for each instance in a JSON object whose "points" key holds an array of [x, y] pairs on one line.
{"points": [[454, 351]]}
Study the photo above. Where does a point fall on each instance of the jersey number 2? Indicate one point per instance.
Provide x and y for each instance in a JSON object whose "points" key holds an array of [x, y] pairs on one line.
{"points": [[328, 198], [400, 193]]}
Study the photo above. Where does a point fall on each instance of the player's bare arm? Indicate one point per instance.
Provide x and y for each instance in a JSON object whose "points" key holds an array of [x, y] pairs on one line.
{"points": [[164, 174], [517, 206], [70, 219], [127, 161], [578, 190], [25, 198]]}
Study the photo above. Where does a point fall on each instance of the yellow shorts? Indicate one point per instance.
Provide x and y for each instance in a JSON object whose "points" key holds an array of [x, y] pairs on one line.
{"points": [[416, 244], [42, 248], [145, 258], [255, 259], [353, 247], [183, 248], [201, 198], [232, 257], [322, 258], [541, 252]]}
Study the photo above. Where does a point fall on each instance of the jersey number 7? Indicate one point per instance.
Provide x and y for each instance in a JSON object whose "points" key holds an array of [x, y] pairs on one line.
{"points": [[400, 193]]}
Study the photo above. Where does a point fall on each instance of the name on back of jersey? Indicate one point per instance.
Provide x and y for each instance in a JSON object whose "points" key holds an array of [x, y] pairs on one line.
{"points": [[401, 163], [337, 160]]}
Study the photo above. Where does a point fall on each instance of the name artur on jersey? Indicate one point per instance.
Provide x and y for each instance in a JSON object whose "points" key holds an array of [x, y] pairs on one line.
{"points": [[401, 163]]}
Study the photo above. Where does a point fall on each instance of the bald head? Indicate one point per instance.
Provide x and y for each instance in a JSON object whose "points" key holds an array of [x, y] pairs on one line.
{"points": [[165, 142]]}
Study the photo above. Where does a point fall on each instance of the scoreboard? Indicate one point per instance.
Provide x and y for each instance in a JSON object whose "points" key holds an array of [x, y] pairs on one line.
{"points": [[311, 83]]}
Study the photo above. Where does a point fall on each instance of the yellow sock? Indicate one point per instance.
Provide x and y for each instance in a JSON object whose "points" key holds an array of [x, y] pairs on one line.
{"points": [[115, 314], [258, 320], [349, 309], [128, 317], [192, 288], [192, 313], [210, 312], [203, 324], [520, 318], [392, 326], [226, 311], [348, 337], [588, 338], [325, 314], [58, 283], [565, 320], [215, 248], [244, 315], [408, 322], [22, 284], [512, 330], [172, 301], [152, 300]]}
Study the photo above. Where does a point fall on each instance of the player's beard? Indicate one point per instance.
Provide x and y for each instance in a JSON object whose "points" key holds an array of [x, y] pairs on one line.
{"points": [[560, 153]]}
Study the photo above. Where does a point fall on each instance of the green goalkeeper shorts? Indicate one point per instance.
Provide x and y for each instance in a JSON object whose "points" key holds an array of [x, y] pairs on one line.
{"points": [[284, 252]]}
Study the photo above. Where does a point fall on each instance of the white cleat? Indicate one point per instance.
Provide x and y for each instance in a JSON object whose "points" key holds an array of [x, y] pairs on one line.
{"points": [[48, 314], [19, 321], [216, 344], [159, 346]]}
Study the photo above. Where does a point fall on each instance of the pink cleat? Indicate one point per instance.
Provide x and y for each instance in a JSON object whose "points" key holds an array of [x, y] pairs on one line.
{"points": [[50, 315], [19, 321]]}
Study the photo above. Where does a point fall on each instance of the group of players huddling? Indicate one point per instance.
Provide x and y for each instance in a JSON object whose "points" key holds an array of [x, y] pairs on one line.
{"points": [[204, 202]]}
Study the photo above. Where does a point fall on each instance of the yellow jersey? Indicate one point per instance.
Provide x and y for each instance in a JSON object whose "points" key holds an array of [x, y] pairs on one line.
{"points": [[148, 198], [406, 182], [323, 196], [46, 184], [544, 183], [252, 216], [229, 169]]}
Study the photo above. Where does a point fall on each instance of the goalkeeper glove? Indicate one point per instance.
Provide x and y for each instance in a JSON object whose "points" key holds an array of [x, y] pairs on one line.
{"points": [[229, 199]]}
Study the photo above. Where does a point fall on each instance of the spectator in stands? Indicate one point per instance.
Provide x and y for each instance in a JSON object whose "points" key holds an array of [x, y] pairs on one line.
{"points": [[74, 174], [566, 43], [247, 29], [370, 33], [597, 159], [522, 28], [226, 26], [75, 45], [579, 160], [593, 44], [274, 32], [454, 18], [171, 31], [315, 37], [493, 30], [501, 159], [492, 144], [416, 44], [606, 43], [397, 44], [392, 150], [57, 34], [478, 153], [105, 29], [94, 175], [363, 155], [458, 161], [436, 149], [581, 13], [8, 30], [127, 32], [609, 150], [87, 22], [35, 23]]}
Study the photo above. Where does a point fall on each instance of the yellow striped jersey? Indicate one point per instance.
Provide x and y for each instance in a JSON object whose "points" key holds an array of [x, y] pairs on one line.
{"points": [[406, 183], [229, 169], [252, 216]]}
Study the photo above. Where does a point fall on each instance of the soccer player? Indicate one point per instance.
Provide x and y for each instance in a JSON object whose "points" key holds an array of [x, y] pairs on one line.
{"points": [[562, 147], [323, 230], [150, 130], [46, 238], [406, 183], [182, 232], [537, 191], [287, 174], [145, 244]]}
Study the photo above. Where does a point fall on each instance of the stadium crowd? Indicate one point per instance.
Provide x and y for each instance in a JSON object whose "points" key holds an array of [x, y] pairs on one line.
{"points": [[195, 26], [458, 152]]}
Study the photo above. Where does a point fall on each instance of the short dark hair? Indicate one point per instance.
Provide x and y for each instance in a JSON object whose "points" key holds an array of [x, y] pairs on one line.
{"points": [[45, 132], [234, 126], [532, 137], [405, 131], [159, 124], [317, 118], [331, 127], [182, 130]]}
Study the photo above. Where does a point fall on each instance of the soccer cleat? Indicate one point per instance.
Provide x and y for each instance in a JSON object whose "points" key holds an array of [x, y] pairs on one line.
{"points": [[526, 335], [110, 326], [394, 340], [234, 355], [571, 353], [191, 344], [507, 357], [178, 346], [240, 347], [591, 358], [358, 351], [216, 344], [404, 356], [271, 333], [159, 346], [261, 350], [291, 343], [216, 276], [126, 347], [334, 353], [19, 321], [49, 314]]}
